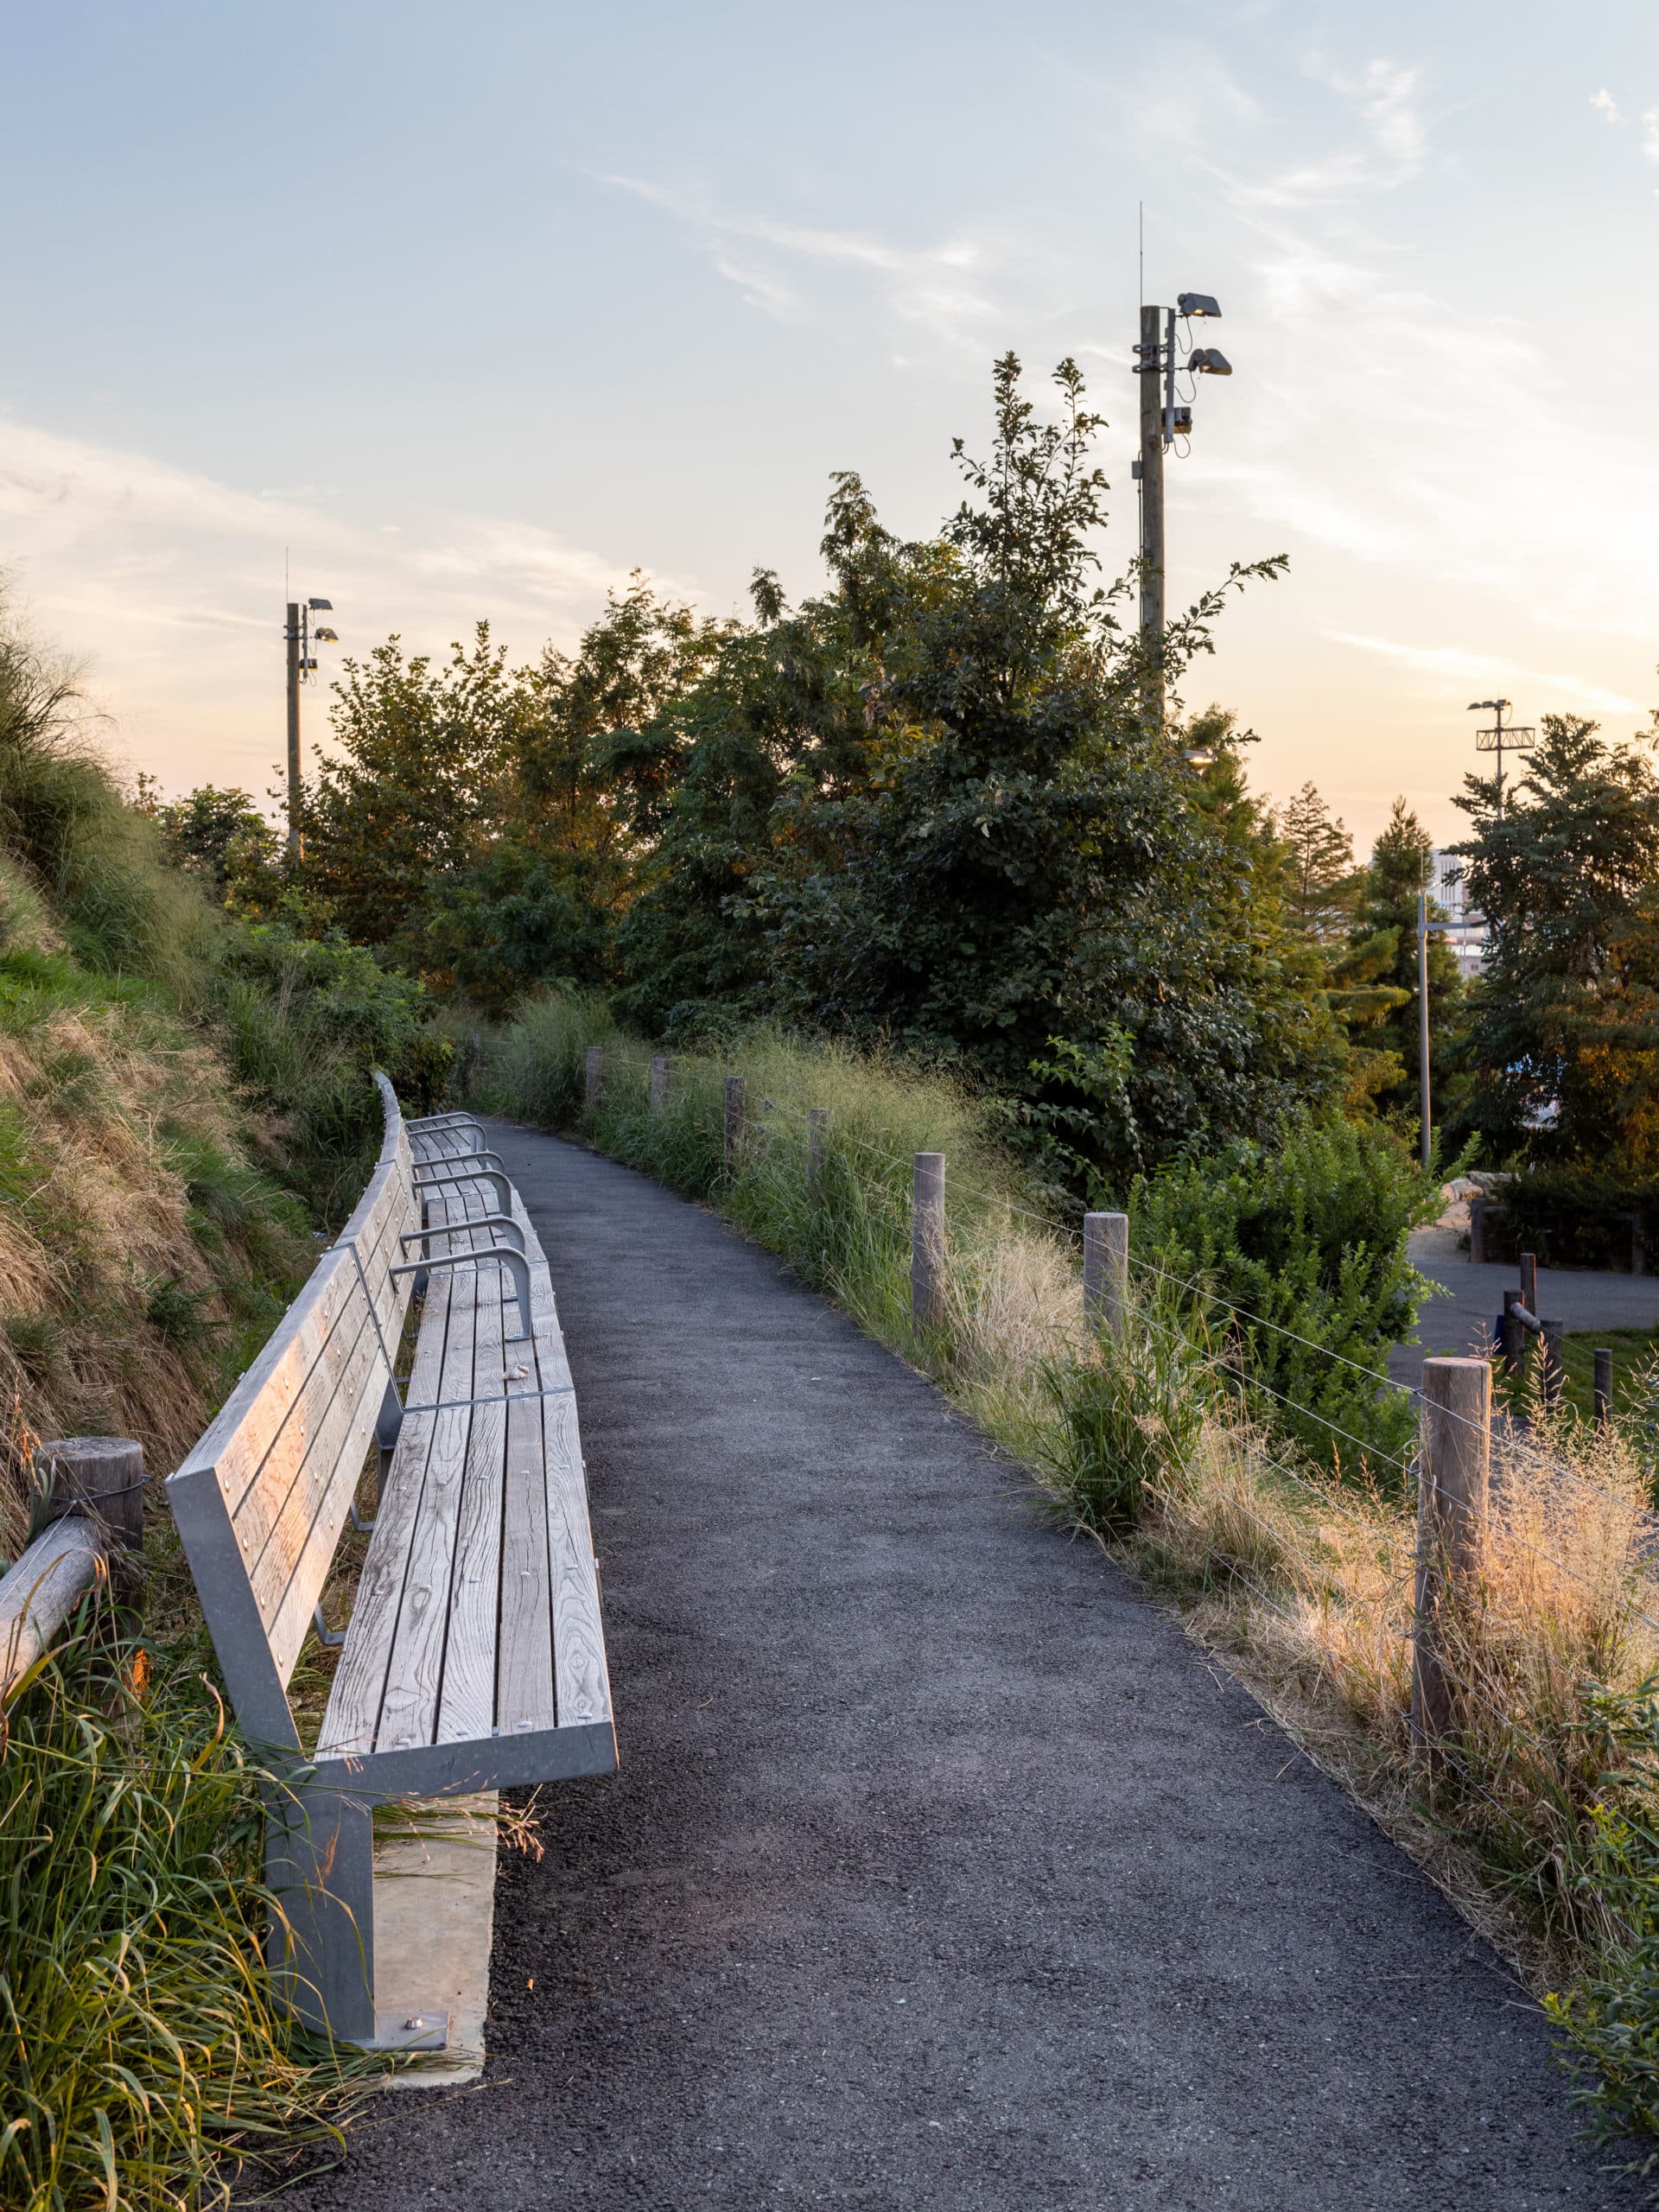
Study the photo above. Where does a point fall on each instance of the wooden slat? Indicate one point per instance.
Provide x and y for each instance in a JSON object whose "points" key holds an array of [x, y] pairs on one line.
{"points": [[277, 1497], [584, 1688], [299, 1504], [415, 1669], [359, 1689], [467, 1707], [524, 1695], [250, 1418]]}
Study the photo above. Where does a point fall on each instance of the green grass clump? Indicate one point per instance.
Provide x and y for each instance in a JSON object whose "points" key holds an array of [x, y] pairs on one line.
{"points": [[143, 2060]]}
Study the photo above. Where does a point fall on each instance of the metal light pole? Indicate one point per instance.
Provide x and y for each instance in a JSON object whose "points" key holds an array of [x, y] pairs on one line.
{"points": [[299, 637], [1519, 737], [1157, 360], [1422, 1012]]}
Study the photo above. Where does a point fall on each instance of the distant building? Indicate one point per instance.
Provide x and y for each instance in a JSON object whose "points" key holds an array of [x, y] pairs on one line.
{"points": [[1465, 927]]}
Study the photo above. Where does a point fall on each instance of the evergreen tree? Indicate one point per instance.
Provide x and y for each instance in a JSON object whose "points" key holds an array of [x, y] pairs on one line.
{"points": [[1320, 886], [1564, 1027], [1375, 983]]}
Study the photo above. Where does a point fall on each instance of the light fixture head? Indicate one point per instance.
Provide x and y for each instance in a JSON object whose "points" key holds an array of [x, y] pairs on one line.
{"points": [[1197, 303], [1200, 756], [1210, 361], [1480, 706], [321, 605], [325, 637]]}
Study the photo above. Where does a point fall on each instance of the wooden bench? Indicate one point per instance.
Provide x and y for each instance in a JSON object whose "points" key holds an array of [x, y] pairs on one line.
{"points": [[474, 1658]]}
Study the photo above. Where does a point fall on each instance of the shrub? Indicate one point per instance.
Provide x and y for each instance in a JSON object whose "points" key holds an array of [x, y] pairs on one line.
{"points": [[1297, 1257]]}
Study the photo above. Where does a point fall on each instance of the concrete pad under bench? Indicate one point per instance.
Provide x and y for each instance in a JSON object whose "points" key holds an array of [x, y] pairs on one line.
{"points": [[434, 1918]]}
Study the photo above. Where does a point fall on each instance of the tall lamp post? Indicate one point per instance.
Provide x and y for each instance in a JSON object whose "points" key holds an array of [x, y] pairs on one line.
{"points": [[1158, 359], [299, 635]]}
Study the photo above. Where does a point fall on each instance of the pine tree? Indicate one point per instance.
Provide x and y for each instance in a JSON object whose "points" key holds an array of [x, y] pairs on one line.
{"points": [[1319, 867]]}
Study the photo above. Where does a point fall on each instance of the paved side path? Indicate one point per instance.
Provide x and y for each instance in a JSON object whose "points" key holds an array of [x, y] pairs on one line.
{"points": [[943, 1872]]}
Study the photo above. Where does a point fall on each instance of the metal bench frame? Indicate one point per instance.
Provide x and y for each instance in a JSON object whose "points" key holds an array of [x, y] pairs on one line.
{"points": [[263, 1500]]}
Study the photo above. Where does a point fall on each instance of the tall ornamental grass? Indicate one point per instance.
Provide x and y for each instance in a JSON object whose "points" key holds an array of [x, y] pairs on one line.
{"points": [[142, 2062]]}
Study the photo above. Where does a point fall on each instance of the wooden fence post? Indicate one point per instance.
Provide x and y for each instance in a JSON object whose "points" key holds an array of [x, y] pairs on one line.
{"points": [[1603, 1385], [101, 1476], [1477, 1229], [1452, 1489], [927, 1240], [1106, 1271], [737, 1093], [593, 1076], [659, 1068], [817, 1142], [1530, 1282]]}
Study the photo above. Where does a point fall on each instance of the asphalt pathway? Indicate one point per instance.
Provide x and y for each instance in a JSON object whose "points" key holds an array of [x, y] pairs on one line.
{"points": [[943, 1871]]}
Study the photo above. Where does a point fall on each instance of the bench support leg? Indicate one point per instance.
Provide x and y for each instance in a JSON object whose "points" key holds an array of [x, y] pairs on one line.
{"points": [[320, 1866]]}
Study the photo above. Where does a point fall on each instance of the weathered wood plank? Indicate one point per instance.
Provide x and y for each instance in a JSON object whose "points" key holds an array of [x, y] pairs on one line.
{"points": [[350, 1723], [239, 1436], [302, 1526], [584, 1687], [415, 1668], [467, 1707], [525, 1698], [278, 1489]]}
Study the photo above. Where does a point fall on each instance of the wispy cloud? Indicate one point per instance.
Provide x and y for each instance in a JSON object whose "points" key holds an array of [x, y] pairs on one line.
{"points": [[1448, 662], [1608, 105], [179, 577], [927, 286]]}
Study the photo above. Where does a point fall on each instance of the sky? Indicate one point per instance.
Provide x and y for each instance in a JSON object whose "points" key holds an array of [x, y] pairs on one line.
{"points": [[448, 315]]}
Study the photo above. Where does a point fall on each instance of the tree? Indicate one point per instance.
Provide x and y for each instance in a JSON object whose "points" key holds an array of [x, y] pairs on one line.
{"points": [[1564, 1027], [1374, 979], [1319, 867], [217, 834], [927, 807]]}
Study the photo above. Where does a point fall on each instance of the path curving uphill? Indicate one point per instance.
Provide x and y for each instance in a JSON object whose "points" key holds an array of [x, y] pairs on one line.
{"points": [[942, 1871]]}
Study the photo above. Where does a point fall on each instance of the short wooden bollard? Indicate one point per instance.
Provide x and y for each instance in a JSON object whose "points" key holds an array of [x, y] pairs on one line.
{"points": [[1530, 1282], [1511, 1334], [1478, 1228], [1106, 1271], [1453, 1486], [102, 1477], [593, 1076], [659, 1068], [927, 1240], [817, 1142], [1603, 1386], [737, 1112]]}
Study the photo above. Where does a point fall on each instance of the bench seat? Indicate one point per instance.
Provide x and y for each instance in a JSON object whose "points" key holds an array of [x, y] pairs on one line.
{"points": [[474, 1658]]}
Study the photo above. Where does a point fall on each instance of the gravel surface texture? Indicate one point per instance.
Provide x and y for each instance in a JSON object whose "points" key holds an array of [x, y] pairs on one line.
{"points": [[943, 1870]]}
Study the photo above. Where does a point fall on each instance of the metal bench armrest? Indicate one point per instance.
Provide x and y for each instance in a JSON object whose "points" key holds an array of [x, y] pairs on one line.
{"points": [[515, 1263]]}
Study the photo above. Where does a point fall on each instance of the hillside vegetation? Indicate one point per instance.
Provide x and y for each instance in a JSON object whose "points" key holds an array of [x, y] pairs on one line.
{"points": [[184, 1102]]}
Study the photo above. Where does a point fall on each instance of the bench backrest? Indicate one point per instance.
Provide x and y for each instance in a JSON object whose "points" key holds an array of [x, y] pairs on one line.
{"points": [[261, 1501]]}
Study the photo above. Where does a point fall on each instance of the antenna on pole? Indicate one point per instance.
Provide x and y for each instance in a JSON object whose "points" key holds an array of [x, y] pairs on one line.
{"points": [[1519, 737]]}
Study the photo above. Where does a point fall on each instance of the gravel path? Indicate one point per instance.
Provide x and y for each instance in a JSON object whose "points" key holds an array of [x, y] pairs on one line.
{"points": [[943, 1871]]}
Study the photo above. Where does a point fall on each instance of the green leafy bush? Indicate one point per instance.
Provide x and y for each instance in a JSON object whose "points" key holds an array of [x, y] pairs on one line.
{"points": [[1296, 1256], [306, 1021]]}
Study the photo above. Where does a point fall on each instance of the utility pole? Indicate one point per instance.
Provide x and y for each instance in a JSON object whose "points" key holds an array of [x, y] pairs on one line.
{"points": [[1152, 507], [1520, 737], [1422, 1011], [299, 635], [292, 634], [1156, 360]]}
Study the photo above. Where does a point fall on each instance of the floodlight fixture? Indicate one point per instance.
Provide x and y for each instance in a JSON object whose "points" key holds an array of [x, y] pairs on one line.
{"points": [[1210, 361], [325, 636], [1197, 303], [1200, 756], [321, 605]]}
